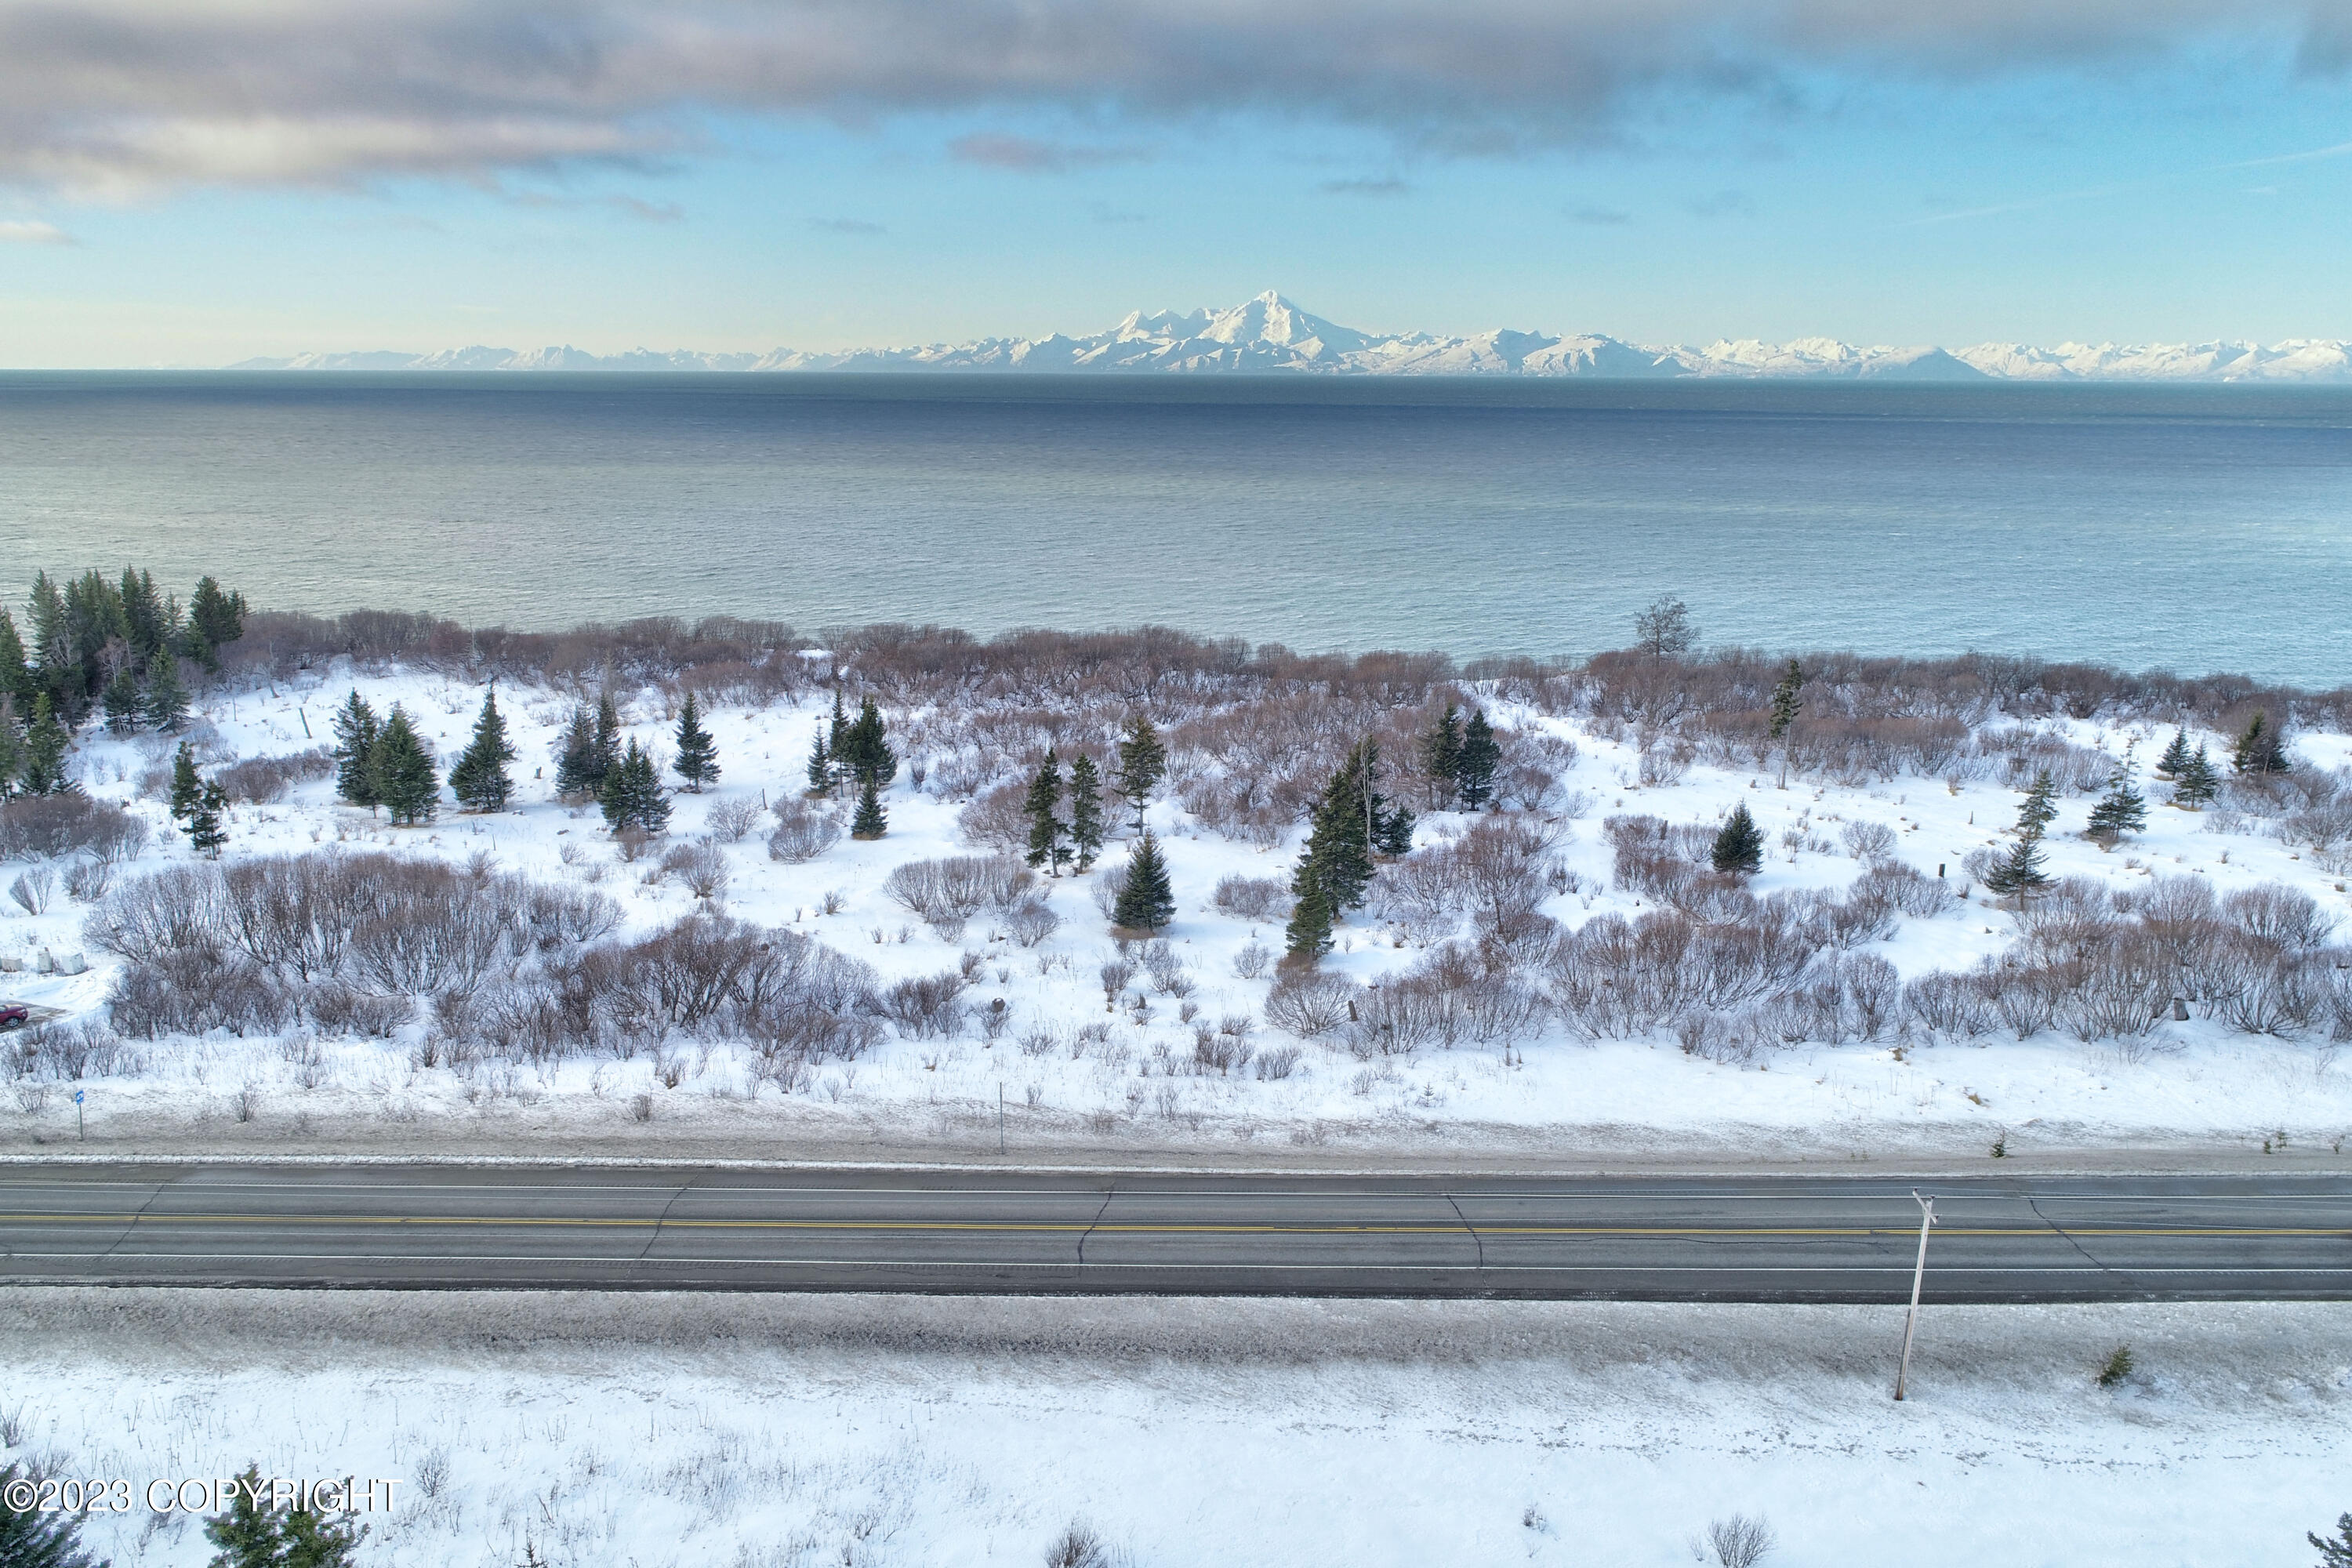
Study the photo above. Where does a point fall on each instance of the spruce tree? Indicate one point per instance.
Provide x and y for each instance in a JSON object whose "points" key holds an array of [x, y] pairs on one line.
{"points": [[1142, 763], [870, 821], [403, 775], [122, 702], [187, 789], [632, 795], [16, 676], [2176, 755], [1041, 805], [820, 763], [357, 730], [1336, 861], [143, 610], [12, 752], [251, 1534], [479, 778], [2040, 806], [32, 1539], [43, 770], [2120, 811], [208, 823], [2020, 872], [1739, 844], [1788, 702], [836, 742], [2261, 747], [697, 754], [1086, 811], [1441, 754], [1146, 903], [864, 751], [2335, 1551], [1480, 754], [1392, 832], [167, 697], [576, 761], [2197, 784], [216, 619], [605, 751], [1309, 934], [53, 654]]}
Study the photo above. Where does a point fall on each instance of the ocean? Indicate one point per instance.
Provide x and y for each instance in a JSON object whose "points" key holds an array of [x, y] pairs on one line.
{"points": [[2196, 529]]}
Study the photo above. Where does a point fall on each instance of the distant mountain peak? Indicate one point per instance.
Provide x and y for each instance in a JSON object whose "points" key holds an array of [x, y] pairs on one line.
{"points": [[1272, 334]]}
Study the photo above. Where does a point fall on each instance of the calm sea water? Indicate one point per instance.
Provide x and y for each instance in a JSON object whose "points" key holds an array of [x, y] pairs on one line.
{"points": [[2191, 528]]}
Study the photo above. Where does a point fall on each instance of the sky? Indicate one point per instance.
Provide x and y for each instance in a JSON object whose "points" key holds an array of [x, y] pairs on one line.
{"points": [[196, 183]]}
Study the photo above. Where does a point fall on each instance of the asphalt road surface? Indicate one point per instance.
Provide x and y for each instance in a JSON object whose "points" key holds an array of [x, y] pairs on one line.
{"points": [[1767, 1239]]}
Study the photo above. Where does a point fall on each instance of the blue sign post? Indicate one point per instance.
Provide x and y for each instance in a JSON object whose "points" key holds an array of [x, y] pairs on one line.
{"points": [[82, 1127]]}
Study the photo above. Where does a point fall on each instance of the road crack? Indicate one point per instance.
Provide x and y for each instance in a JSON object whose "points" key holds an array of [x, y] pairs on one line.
{"points": [[1108, 1192], [2033, 1203], [663, 1218], [1475, 1239]]}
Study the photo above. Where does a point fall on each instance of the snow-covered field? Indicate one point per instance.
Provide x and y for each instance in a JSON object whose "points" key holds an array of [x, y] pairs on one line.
{"points": [[1132, 1081], [713, 1432]]}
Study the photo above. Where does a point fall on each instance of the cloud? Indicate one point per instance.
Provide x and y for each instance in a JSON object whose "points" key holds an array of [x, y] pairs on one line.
{"points": [[32, 231], [634, 206], [125, 95], [1027, 155], [846, 225], [1383, 185]]}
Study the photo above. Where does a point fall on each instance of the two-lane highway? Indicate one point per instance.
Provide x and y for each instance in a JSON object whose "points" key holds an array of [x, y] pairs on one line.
{"points": [[1764, 1239]]}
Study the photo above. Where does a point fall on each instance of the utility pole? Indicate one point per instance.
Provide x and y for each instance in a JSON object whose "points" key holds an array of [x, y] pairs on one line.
{"points": [[999, 1118], [1918, 1276]]}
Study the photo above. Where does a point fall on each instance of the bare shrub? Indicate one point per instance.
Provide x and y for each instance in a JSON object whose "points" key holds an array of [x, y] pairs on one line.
{"points": [[87, 880], [995, 820], [1741, 1540], [946, 894], [52, 827], [1949, 1004], [1277, 1062], [1032, 922], [1870, 842], [32, 889], [1909, 890], [1311, 1004], [1168, 974], [1254, 897], [1078, 1546], [2278, 915], [265, 780], [340, 1009], [1110, 882], [1252, 960], [732, 821], [194, 991], [924, 1008], [800, 834], [701, 866], [1114, 975]]}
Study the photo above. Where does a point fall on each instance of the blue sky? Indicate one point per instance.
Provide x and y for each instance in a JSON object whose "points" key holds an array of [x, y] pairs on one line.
{"points": [[194, 184]]}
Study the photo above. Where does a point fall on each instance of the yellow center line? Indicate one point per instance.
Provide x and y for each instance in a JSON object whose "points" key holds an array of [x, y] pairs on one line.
{"points": [[1142, 1229]]}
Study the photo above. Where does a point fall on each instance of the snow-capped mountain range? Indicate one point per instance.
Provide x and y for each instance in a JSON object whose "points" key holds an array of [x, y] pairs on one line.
{"points": [[1270, 333]]}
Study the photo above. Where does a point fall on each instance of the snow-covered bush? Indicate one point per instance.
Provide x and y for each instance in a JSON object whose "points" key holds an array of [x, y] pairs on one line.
{"points": [[1254, 897], [1311, 1002], [51, 827], [946, 894], [800, 833], [1032, 921]]}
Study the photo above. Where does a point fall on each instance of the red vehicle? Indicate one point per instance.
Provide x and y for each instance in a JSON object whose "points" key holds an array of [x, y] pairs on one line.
{"points": [[15, 1015]]}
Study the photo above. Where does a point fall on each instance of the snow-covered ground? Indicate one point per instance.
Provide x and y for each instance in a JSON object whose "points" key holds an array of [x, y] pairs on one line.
{"points": [[1134, 1086], [741, 1432]]}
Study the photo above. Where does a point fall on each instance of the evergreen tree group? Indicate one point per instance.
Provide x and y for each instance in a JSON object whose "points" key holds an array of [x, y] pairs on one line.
{"points": [[2196, 782], [479, 778], [2261, 747], [2120, 811], [589, 750], [112, 645], [631, 795], [382, 762], [1042, 805], [1146, 903], [2021, 871], [863, 752], [251, 1534], [1739, 844], [1351, 822], [696, 761], [1461, 757]]}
